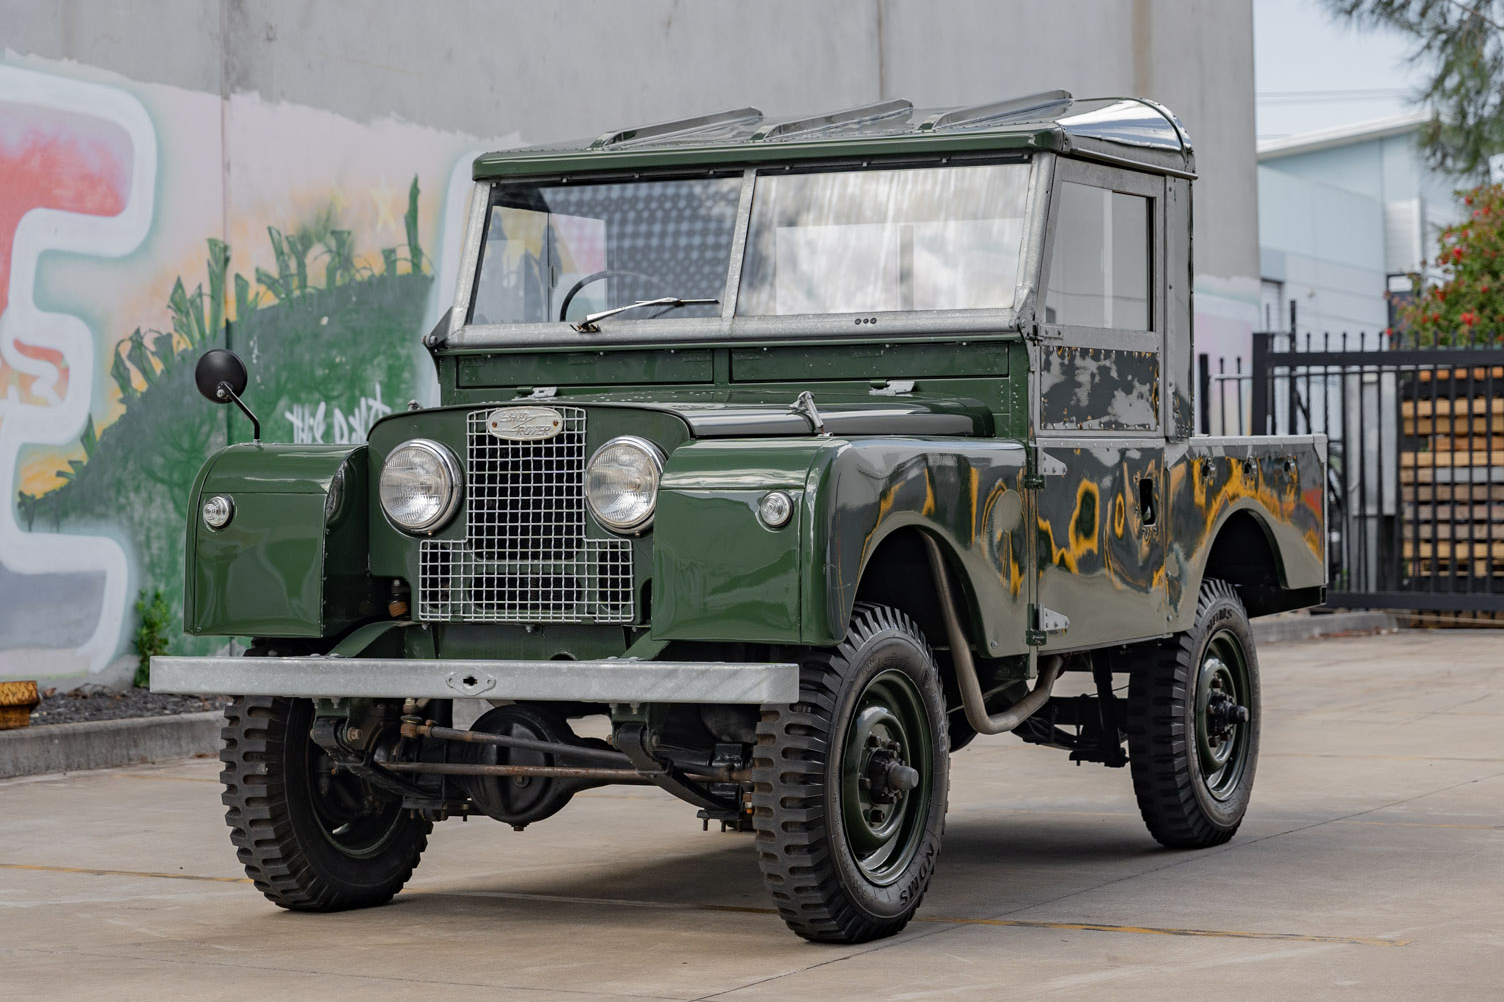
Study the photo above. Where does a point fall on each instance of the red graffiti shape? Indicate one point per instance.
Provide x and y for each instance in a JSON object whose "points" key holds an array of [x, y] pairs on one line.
{"points": [[55, 160]]}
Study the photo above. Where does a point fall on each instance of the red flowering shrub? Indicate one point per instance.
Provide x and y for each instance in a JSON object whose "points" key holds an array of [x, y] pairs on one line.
{"points": [[1468, 305]]}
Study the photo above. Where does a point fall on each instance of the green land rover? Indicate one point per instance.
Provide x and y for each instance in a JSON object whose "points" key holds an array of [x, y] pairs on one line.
{"points": [[802, 450]]}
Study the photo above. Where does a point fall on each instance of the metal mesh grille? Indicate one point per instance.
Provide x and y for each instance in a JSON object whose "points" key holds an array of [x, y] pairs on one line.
{"points": [[525, 558]]}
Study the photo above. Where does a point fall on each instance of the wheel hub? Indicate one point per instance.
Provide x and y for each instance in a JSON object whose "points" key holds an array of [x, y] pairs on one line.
{"points": [[884, 767], [1221, 716]]}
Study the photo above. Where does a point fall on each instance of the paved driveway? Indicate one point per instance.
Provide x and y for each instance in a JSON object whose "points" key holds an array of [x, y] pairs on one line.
{"points": [[1371, 866]]}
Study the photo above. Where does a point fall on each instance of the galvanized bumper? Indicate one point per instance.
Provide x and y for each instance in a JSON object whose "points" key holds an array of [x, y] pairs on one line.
{"points": [[610, 681]]}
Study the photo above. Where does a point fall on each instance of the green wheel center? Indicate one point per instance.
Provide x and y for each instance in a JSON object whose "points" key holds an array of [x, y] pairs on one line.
{"points": [[883, 803], [1222, 692]]}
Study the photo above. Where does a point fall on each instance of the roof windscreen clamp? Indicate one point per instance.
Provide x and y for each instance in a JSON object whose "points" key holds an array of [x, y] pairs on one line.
{"points": [[678, 127], [1018, 107], [817, 125]]}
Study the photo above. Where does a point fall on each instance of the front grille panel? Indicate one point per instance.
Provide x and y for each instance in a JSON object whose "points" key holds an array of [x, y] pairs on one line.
{"points": [[525, 557]]}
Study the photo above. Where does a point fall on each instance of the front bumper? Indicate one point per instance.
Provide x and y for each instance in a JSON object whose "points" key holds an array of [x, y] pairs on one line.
{"points": [[609, 681]]}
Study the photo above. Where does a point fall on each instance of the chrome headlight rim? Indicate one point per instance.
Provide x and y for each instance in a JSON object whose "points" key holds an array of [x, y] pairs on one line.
{"points": [[451, 467], [655, 456]]}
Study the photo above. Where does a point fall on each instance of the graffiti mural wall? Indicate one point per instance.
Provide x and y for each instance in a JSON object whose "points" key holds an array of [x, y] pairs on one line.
{"points": [[139, 225]]}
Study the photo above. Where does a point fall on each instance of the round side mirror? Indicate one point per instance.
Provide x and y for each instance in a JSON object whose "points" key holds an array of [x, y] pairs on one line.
{"points": [[216, 366]]}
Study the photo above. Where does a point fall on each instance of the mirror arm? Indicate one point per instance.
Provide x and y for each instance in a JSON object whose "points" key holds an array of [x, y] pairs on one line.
{"points": [[224, 392]]}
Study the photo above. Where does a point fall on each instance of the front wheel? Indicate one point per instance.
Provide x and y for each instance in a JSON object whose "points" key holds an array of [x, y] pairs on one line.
{"points": [[850, 783], [311, 838], [1193, 725]]}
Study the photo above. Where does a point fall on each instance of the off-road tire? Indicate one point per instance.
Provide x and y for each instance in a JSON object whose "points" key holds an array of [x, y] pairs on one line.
{"points": [[269, 796], [815, 876], [1177, 804]]}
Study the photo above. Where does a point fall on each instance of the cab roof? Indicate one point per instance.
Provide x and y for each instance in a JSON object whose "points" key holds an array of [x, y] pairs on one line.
{"points": [[1124, 130]]}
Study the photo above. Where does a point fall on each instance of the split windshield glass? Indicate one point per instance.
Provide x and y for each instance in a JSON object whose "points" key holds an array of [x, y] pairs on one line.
{"points": [[930, 238], [851, 241], [562, 251]]}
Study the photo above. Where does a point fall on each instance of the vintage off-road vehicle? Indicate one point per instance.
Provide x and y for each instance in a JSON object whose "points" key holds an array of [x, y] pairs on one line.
{"points": [[805, 451]]}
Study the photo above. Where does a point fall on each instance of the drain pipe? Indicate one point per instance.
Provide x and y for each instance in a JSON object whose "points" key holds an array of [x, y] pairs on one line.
{"points": [[966, 673]]}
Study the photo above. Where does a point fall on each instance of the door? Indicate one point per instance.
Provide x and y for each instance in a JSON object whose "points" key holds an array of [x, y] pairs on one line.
{"points": [[1099, 413]]}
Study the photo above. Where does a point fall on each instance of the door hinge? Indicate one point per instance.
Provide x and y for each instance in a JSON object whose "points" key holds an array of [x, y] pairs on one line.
{"points": [[1045, 621], [1045, 465]]}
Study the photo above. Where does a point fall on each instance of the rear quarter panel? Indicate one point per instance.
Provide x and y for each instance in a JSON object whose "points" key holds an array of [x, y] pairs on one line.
{"points": [[1280, 482]]}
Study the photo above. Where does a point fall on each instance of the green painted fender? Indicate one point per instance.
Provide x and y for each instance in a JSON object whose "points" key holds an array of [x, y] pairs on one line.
{"points": [[292, 562], [720, 574]]}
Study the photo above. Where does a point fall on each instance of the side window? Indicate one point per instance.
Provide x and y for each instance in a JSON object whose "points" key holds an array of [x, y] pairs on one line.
{"points": [[1099, 270]]}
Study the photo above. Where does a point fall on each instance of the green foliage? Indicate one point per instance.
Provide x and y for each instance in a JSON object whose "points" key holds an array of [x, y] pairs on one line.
{"points": [[151, 638], [1460, 45], [410, 219], [1468, 304]]}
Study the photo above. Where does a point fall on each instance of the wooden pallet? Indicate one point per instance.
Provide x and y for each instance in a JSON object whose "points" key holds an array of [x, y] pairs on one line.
{"points": [[1460, 619], [1450, 485], [1431, 493], [1445, 416], [1479, 372]]}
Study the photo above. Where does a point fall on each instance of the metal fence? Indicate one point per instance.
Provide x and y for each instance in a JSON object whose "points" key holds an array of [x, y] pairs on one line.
{"points": [[1415, 492]]}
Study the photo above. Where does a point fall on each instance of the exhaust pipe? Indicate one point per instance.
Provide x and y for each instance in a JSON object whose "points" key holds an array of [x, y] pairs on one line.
{"points": [[966, 672]]}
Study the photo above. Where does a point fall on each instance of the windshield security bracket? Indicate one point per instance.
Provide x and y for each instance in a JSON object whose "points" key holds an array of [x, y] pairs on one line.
{"points": [[588, 325]]}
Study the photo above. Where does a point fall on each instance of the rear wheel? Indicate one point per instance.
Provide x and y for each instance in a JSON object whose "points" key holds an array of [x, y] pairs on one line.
{"points": [[311, 839], [1193, 727], [850, 783]]}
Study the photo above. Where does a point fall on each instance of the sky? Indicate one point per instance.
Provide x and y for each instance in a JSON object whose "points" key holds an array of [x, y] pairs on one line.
{"points": [[1313, 71]]}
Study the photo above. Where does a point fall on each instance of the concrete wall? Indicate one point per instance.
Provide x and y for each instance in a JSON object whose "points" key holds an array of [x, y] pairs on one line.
{"points": [[298, 169]]}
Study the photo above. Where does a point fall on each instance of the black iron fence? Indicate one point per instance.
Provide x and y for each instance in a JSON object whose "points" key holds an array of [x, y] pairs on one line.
{"points": [[1415, 492]]}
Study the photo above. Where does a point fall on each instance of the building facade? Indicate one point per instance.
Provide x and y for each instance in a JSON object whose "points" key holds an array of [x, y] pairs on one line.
{"points": [[1347, 218]]}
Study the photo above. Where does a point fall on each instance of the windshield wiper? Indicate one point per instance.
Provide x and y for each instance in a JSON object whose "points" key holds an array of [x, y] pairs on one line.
{"points": [[588, 325]]}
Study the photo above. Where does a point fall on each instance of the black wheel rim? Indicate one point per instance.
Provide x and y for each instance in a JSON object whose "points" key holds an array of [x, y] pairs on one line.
{"points": [[1223, 715], [350, 818], [889, 729]]}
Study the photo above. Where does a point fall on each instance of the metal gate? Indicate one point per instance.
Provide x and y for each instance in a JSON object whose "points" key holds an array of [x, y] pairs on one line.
{"points": [[1415, 493]]}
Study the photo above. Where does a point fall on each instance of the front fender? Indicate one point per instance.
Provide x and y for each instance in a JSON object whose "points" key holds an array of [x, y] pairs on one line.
{"points": [[292, 560], [967, 492], [720, 574]]}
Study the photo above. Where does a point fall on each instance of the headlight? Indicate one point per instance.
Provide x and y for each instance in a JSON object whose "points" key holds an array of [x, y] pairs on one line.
{"points": [[420, 485], [621, 483]]}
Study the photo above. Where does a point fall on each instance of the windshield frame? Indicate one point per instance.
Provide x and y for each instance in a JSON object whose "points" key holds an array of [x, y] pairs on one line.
{"points": [[728, 328]]}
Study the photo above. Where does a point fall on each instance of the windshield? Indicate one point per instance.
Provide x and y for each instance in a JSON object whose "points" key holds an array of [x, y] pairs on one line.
{"points": [[559, 252], [849, 241], [929, 238]]}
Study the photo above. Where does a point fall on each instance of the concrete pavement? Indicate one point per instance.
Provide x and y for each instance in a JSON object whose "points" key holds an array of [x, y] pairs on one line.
{"points": [[1371, 866]]}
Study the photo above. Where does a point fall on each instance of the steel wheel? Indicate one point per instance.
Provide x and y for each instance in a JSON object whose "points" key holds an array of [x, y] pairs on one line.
{"points": [[347, 812], [311, 841], [1222, 716], [884, 774], [1193, 725], [850, 783]]}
